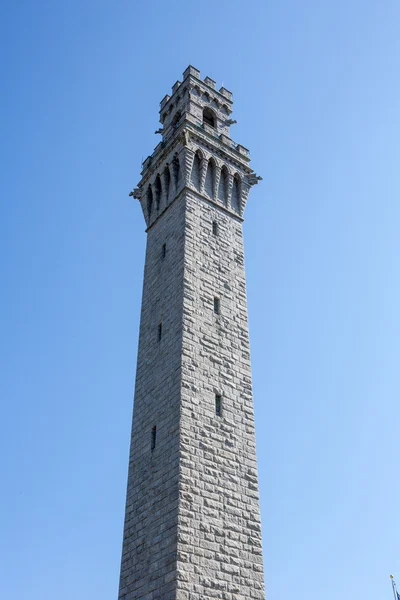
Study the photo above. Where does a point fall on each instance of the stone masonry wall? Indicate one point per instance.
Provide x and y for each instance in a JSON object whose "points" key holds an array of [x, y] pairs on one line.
{"points": [[192, 525], [219, 537], [148, 569]]}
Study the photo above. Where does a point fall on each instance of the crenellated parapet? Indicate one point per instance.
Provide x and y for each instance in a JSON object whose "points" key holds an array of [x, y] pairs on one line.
{"points": [[196, 151]]}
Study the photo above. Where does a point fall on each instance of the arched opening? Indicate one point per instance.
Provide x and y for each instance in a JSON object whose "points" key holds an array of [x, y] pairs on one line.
{"points": [[196, 170], [208, 117], [149, 200], [223, 186], [225, 109], [176, 172], [235, 200], [167, 183], [157, 192], [176, 119], [209, 183]]}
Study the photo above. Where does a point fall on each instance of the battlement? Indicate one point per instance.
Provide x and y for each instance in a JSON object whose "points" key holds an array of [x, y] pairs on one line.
{"points": [[194, 74], [192, 71]]}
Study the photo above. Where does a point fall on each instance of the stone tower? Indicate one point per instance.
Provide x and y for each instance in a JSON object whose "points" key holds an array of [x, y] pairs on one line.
{"points": [[192, 522]]}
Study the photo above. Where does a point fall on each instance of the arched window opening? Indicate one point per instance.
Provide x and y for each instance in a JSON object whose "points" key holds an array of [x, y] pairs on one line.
{"points": [[208, 117], [176, 119], [196, 170], [235, 201], [157, 192], [209, 183], [176, 172], [167, 182], [149, 200], [223, 186]]}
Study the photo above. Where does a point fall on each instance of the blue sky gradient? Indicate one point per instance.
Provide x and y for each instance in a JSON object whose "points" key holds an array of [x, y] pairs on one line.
{"points": [[317, 93]]}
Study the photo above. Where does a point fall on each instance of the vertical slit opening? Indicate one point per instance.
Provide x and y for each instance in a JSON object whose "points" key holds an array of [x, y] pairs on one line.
{"points": [[153, 437], [218, 405]]}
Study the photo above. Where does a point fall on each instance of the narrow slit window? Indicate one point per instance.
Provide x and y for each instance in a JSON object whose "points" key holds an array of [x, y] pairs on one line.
{"points": [[159, 331], [218, 405], [164, 250], [215, 228], [216, 306], [153, 437]]}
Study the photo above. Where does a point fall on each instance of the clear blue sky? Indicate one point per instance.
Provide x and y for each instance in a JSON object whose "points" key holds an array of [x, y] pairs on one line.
{"points": [[317, 94]]}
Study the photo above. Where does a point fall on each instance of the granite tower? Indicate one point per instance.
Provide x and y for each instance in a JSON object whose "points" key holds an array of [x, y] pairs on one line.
{"points": [[192, 521]]}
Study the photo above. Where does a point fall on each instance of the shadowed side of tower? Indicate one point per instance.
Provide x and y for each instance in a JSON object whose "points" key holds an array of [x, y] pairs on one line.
{"points": [[192, 524]]}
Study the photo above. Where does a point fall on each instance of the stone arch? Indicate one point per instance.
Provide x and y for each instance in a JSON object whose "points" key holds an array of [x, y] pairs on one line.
{"points": [[223, 186], [157, 192], [149, 200], [209, 117], [196, 171], [206, 97], [210, 178], [235, 198]]}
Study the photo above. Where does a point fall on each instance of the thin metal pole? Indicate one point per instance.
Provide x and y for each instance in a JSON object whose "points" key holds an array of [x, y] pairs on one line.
{"points": [[394, 589]]}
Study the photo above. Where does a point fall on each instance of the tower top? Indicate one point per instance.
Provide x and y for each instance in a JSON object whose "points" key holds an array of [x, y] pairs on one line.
{"points": [[196, 122], [202, 96]]}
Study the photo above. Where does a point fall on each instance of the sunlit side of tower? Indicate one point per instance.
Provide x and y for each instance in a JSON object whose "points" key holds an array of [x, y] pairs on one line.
{"points": [[192, 522]]}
